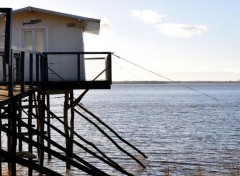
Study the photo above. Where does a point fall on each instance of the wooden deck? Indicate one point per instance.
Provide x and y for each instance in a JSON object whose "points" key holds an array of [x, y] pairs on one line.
{"points": [[51, 86], [5, 99]]}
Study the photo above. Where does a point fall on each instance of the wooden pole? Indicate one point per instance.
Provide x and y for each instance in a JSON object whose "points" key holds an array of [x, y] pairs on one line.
{"points": [[12, 140], [71, 122], [22, 70], [68, 167], [42, 118], [48, 128], [4, 70], [37, 103], [113, 141], [28, 164], [111, 162], [86, 167], [30, 135], [1, 138], [19, 126], [110, 129]]}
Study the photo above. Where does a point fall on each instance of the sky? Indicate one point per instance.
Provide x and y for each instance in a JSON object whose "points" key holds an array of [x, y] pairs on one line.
{"points": [[182, 40]]}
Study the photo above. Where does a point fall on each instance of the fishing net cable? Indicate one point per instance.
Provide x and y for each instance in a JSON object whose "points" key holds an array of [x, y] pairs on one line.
{"points": [[164, 77]]}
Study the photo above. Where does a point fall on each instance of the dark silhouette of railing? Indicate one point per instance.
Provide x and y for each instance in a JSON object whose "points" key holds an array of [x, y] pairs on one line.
{"points": [[18, 74], [33, 69], [78, 56]]}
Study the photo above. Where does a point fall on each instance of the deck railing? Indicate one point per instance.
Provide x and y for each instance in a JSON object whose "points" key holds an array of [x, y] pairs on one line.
{"points": [[70, 67], [36, 69], [24, 69]]}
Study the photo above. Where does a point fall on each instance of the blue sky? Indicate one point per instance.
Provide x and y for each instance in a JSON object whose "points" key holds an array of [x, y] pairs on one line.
{"points": [[180, 39]]}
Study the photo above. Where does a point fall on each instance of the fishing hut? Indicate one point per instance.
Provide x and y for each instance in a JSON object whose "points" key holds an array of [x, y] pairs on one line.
{"points": [[42, 53]]}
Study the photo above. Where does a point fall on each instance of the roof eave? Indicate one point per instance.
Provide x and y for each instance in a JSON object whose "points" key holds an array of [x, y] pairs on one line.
{"points": [[91, 25]]}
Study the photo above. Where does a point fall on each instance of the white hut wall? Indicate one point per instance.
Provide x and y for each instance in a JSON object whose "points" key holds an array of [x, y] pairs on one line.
{"points": [[57, 34]]}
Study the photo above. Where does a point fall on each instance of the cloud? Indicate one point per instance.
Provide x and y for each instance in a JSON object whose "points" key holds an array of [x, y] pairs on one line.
{"points": [[148, 16], [175, 30], [180, 30], [107, 26]]}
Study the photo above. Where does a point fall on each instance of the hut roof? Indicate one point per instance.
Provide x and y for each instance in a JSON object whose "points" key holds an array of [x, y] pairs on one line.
{"points": [[91, 25]]}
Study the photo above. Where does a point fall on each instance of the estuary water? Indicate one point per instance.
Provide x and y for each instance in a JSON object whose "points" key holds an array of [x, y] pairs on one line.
{"points": [[182, 132]]}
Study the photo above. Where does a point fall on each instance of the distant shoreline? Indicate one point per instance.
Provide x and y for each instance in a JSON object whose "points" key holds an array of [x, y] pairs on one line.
{"points": [[170, 82]]}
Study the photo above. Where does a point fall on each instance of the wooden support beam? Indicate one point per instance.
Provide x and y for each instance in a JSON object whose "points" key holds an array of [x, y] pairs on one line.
{"points": [[65, 110], [108, 160], [12, 140], [86, 167], [110, 129], [48, 127], [72, 122], [30, 135], [41, 130], [0, 139], [113, 141], [36, 101], [31, 165], [19, 126]]}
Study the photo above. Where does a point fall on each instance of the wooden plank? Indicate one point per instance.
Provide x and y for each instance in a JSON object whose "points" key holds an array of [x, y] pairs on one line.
{"points": [[17, 92]]}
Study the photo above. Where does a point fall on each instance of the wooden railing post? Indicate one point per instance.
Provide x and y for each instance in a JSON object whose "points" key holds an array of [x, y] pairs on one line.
{"points": [[37, 69], [31, 70], [4, 70], [109, 68], [10, 77], [8, 34], [44, 70], [7, 47], [22, 70], [78, 68]]}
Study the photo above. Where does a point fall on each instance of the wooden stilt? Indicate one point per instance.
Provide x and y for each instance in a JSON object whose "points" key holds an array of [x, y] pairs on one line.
{"points": [[86, 167], [0, 139], [12, 140], [30, 135], [19, 126], [111, 162], [41, 125], [72, 122], [48, 128], [31, 165], [110, 129], [68, 167], [113, 141], [37, 111]]}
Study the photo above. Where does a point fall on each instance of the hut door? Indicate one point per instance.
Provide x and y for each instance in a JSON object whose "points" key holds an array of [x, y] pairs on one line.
{"points": [[34, 39]]}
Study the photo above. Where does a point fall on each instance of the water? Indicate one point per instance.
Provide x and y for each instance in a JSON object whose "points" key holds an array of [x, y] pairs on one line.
{"points": [[176, 127], [182, 132]]}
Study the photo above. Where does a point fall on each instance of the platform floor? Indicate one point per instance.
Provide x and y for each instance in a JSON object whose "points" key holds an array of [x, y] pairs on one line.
{"points": [[5, 99]]}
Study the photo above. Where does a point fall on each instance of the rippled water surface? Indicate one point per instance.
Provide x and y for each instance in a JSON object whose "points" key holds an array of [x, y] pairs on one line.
{"points": [[181, 131]]}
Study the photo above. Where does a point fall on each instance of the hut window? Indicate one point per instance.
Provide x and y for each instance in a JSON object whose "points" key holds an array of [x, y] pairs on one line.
{"points": [[71, 24], [33, 39], [28, 40]]}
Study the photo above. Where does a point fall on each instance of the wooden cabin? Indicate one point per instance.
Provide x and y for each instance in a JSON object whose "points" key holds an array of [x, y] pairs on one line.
{"points": [[43, 53], [60, 37]]}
